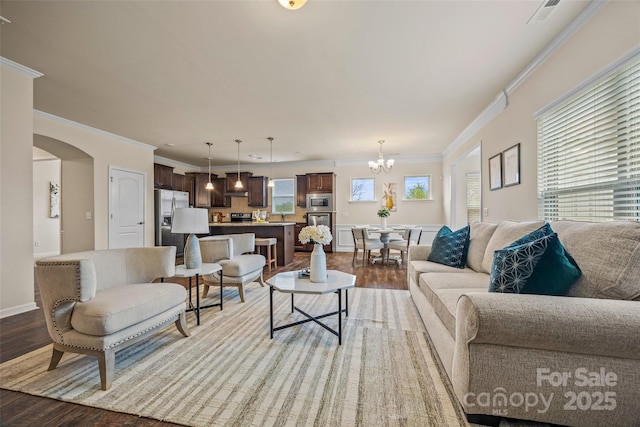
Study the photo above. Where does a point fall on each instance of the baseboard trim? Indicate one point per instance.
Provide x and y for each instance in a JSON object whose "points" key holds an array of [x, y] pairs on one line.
{"points": [[12, 311]]}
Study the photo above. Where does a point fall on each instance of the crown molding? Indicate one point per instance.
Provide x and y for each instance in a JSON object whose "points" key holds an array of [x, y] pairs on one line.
{"points": [[170, 162], [21, 68], [501, 101], [96, 131]]}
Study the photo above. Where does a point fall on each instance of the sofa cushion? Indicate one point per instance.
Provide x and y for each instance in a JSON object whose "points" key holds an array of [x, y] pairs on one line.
{"points": [[538, 266], [240, 265], [119, 307], [479, 237], [450, 247], [506, 233], [443, 290]]}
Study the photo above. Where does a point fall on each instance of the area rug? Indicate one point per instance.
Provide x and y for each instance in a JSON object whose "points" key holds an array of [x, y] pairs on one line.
{"points": [[229, 373]]}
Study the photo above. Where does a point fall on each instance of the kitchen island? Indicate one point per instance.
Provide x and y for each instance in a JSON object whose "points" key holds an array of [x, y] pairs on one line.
{"points": [[282, 231]]}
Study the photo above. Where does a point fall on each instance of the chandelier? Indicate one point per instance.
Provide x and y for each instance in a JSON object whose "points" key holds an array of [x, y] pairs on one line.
{"points": [[381, 164], [209, 185], [292, 4]]}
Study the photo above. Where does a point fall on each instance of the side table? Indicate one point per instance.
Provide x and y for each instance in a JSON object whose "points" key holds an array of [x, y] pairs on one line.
{"points": [[206, 268]]}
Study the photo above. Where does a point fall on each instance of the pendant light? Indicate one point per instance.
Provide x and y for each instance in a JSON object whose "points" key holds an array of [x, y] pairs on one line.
{"points": [[271, 183], [209, 185], [292, 4], [238, 185]]}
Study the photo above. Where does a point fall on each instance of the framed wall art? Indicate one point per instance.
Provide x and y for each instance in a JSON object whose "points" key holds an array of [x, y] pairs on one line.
{"points": [[495, 172], [511, 165]]}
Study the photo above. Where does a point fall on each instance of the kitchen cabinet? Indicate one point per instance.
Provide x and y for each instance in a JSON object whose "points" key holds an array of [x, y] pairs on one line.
{"points": [[301, 191], [257, 189], [298, 245], [320, 182], [201, 196], [218, 199], [232, 177], [184, 183], [162, 176]]}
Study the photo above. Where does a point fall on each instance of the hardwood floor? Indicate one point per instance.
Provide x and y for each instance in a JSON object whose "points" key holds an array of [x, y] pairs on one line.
{"points": [[25, 332]]}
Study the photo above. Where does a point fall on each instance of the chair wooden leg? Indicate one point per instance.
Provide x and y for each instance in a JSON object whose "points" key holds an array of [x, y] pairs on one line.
{"points": [[275, 257], [55, 359], [261, 279], [205, 290], [241, 292], [107, 366], [181, 324], [353, 258]]}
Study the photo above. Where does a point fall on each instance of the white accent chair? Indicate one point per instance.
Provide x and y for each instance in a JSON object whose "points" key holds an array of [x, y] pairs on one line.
{"points": [[233, 253], [100, 302], [361, 240], [411, 237]]}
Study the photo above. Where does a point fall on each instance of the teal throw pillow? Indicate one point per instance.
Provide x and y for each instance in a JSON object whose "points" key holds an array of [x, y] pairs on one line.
{"points": [[450, 247], [541, 266]]}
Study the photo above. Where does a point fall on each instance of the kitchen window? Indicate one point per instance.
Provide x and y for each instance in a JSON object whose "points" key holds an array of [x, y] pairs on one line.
{"points": [[283, 196], [417, 187], [589, 150], [363, 190]]}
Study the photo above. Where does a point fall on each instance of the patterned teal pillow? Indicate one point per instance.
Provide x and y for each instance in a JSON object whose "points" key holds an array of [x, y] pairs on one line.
{"points": [[450, 247], [540, 266]]}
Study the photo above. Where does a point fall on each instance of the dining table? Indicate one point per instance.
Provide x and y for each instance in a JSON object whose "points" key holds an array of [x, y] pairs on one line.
{"points": [[385, 238]]}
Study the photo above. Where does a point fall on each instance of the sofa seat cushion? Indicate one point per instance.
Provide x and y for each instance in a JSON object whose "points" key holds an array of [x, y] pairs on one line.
{"points": [[119, 307], [443, 290], [419, 267], [242, 264]]}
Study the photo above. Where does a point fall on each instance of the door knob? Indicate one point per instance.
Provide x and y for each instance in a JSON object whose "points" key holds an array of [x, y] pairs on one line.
{"points": [[141, 222]]}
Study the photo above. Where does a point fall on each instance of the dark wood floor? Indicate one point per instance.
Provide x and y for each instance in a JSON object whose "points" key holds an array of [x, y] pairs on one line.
{"points": [[25, 332]]}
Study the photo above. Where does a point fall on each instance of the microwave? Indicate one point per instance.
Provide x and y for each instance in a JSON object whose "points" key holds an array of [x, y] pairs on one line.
{"points": [[320, 202]]}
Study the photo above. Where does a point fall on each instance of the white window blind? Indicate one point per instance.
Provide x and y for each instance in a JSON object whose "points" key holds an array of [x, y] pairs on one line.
{"points": [[589, 152], [473, 197]]}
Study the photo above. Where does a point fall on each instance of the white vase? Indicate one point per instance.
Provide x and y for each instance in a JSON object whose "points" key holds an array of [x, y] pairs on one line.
{"points": [[383, 222], [318, 265]]}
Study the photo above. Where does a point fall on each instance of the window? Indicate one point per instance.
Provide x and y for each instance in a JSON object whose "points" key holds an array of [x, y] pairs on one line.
{"points": [[473, 198], [363, 190], [283, 196], [417, 187], [589, 151]]}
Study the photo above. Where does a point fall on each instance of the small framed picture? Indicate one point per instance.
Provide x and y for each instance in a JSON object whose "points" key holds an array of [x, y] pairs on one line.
{"points": [[495, 172], [511, 165]]}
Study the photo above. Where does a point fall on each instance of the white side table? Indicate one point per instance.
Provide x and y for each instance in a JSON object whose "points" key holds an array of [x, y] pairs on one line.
{"points": [[206, 268], [292, 283]]}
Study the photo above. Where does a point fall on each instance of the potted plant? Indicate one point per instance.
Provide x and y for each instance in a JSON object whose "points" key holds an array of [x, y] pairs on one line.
{"points": [[383, 213]]}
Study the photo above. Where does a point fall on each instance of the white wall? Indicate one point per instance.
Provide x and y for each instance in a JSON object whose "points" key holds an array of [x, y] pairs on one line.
{"points": [[46, 230], [77, 185], [608, 35], [16, 200]]}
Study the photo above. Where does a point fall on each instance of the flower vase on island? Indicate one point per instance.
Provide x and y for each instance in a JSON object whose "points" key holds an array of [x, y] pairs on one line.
{"points": [[318, 235]]}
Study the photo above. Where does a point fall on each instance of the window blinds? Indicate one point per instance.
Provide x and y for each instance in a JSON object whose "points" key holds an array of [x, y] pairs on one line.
{"points": [[473, 197], [589, 152]]}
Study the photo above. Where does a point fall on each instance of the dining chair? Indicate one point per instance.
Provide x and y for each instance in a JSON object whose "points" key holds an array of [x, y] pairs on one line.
{"points": [[412, 237], [361, 240]]}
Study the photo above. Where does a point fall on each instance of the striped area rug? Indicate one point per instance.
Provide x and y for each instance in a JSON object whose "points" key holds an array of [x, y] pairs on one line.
{"points": [[230, 373]]}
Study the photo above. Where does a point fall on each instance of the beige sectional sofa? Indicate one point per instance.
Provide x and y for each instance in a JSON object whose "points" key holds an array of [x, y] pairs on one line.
{"points": [[570, 360]]}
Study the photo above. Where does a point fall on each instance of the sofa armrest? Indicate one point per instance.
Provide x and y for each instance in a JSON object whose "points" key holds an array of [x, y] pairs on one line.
{"points": [[575, 325], [419, 252]]}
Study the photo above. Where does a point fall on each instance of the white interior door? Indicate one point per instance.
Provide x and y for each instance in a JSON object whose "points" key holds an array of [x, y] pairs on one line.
{"points": [[126, 208]]}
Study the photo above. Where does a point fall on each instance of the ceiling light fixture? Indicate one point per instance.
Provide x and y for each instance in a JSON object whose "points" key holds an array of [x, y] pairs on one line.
{"points": [[292, 4], [381, 164], [238, 182], [271, 183], [209, 185]]}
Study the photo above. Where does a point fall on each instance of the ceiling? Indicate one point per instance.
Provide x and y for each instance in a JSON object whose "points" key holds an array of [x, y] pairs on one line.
{"points": [[326, 81]]}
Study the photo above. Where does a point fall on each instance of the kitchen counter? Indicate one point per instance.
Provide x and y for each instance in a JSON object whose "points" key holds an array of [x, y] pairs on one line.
{"points": [[282, 231]]}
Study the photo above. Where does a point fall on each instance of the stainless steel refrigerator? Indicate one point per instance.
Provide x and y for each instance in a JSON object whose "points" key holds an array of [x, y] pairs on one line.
{"points": [[165, 203]]}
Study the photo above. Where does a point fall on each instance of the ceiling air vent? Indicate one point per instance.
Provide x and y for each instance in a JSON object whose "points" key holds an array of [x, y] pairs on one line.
{"points": [[543, 12]]}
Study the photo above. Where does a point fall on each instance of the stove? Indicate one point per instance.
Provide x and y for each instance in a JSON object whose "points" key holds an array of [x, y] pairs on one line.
{"points": [[240, 216]]}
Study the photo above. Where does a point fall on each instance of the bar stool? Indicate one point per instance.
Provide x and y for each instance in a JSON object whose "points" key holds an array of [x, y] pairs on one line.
{"points": [[272, 254]]}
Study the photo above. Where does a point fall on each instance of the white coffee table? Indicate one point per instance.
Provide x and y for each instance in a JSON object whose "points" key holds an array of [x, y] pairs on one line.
{"points": [[206, 268], [292, 282]]}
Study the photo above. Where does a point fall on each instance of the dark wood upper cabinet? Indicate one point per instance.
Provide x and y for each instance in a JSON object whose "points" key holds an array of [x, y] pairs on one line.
{"points": [[162, 176], [232, 177], [301, 191], [257, 189], [218, 199], [320, 182], [201, 196]]}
